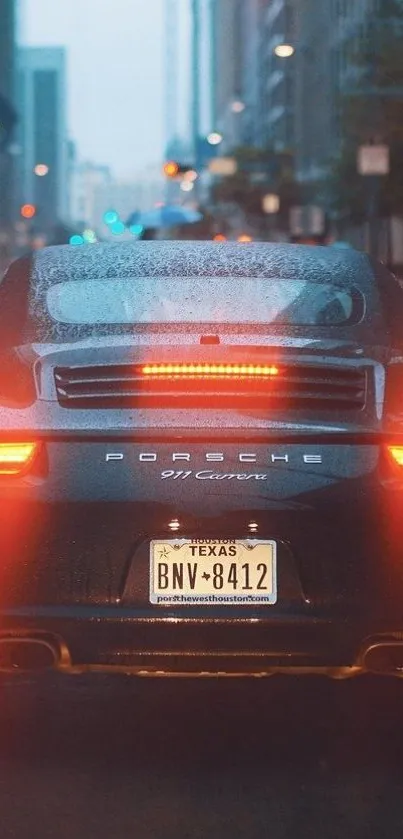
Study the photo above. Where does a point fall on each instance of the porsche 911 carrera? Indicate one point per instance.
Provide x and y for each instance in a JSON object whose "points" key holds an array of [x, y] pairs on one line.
{"points": [[201, 461]]}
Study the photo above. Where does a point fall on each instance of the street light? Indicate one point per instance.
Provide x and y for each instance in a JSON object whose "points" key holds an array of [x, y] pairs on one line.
{"points": [[284, 50]]}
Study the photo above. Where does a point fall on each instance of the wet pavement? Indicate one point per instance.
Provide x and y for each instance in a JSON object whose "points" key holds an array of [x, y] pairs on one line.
{"points": [[96, 757]]}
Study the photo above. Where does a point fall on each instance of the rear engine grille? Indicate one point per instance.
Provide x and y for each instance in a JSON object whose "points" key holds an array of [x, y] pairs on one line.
{"points": [[288, 386]]}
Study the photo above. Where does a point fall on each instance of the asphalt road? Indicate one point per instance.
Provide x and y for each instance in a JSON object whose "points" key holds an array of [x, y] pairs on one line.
{"points": [[93, 757]]}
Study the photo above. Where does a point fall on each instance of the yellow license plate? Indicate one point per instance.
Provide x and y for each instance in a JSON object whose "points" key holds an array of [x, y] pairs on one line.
{"points": [[227, 572]]}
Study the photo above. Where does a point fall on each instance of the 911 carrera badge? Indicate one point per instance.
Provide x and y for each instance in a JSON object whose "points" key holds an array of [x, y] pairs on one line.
{"points": [[209, 475]]}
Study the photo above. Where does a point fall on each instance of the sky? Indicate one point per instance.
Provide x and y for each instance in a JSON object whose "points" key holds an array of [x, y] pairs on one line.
{"points": [[115, 53]]}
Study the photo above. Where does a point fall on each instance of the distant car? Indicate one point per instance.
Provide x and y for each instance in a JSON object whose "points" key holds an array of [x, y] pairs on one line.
{"points": [[201, 460]]}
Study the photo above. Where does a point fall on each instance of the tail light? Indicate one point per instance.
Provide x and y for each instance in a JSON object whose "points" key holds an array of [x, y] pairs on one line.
{"points": [[16, 458], [396, 454], [393, 393]]}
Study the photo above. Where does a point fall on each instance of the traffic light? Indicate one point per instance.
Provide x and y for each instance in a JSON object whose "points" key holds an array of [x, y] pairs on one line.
{"points": [[173, 169], [28, 211]]}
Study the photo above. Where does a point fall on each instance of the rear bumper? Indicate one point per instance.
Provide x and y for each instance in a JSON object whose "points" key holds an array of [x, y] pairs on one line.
{"points": [[109, 640]]}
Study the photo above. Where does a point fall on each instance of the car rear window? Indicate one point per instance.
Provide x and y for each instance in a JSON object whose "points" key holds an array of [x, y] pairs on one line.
{"points": [[224, 300]]}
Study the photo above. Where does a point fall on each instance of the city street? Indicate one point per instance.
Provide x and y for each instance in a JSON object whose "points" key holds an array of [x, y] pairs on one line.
{"points": [[279, 758], [201, 418]]}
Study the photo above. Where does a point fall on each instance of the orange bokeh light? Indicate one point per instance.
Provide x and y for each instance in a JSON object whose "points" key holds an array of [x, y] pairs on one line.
{"points": [[28, 210], [171, 169]]}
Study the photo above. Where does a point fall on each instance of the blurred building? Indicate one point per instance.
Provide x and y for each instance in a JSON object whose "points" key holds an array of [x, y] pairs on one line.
{"points": [[95, 192], [42, 103], [278, 27], [253, 89], [86, 181], [325, 33], [228, 50], [171, 71], [287, 103], [251, 121], [141, 193], [7, 109]]}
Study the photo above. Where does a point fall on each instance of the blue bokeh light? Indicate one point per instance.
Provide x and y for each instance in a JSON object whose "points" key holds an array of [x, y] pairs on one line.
{"points": [[117, 228], [136, 229], [111, 217]]}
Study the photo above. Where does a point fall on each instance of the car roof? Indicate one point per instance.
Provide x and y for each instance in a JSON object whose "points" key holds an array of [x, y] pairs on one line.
{"points": [[210, 259]]}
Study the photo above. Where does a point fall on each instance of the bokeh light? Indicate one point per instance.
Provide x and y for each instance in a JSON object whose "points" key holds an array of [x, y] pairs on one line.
{"points": [[237, 107], [41, 169], [76, 240], [117, 228], [136, 229], [171, 169], [28, 210], [111, 217], [284, 50], [214, 138], [191, 175], [89, 236]]}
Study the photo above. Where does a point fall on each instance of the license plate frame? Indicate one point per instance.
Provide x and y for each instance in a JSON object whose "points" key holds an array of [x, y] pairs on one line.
{"points": [[178, 565]]}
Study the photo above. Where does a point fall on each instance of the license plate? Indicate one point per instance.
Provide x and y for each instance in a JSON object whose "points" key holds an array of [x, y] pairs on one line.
{"points": [[224, 572]]}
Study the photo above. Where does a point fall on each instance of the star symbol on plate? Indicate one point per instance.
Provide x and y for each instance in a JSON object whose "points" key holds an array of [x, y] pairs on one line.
{"points": [[206, 576], [164, 553]]}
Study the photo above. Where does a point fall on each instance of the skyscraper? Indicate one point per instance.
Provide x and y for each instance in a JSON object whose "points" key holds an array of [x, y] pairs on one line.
{"points": [[41, 85], [228, 53], [171, 71], [7, 79], [278, 26]]}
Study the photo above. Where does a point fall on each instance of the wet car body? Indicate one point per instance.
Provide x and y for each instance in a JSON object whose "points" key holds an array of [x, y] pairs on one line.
{"points": [[205, 438]]}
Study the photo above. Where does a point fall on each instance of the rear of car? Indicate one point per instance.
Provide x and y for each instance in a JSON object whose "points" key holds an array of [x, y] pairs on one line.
{"points": [[201, 461]]}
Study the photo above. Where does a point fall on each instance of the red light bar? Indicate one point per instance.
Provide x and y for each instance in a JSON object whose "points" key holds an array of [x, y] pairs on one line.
{"points": [[201, 370]]}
